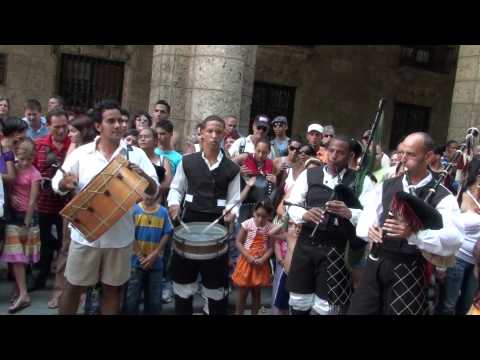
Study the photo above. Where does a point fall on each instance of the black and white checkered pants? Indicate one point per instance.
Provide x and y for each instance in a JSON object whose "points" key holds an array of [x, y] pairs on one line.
{"points": [[391, 287]]}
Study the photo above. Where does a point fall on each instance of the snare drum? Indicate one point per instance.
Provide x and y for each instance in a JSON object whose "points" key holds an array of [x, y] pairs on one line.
{"points": [[106, 198], [196, 245]]}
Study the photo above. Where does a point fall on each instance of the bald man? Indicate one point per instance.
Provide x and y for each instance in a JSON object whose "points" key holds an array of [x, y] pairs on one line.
{"points": [[394, 283]]}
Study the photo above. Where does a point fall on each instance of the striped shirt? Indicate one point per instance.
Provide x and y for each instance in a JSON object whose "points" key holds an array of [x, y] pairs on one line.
{"points": [[150, 227], [252, 231], [48, 201]]}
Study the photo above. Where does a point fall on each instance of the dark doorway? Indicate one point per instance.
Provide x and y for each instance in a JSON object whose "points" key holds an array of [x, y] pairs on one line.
{"points": [[273, 100], [86, 80], [408, 118]]}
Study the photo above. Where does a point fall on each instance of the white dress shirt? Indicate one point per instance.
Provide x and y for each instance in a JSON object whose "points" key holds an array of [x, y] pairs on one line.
{"points": [[443, 242], [86, 162], [299, 191], [178, 187]]}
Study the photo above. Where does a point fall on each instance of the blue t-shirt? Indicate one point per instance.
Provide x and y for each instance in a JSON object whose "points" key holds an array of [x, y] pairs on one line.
{"points": [[172, 156], [281, 146], [150, 227]]}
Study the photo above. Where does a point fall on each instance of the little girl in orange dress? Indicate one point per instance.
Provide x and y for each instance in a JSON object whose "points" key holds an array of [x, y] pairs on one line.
{"points": [[253, 270]]}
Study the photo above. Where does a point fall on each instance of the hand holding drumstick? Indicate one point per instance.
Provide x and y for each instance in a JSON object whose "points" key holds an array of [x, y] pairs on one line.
{"points": [[69, 182]]}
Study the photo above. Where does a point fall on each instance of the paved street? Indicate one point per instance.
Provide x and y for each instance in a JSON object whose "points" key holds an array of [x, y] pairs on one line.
{"points": [[40, 300]]}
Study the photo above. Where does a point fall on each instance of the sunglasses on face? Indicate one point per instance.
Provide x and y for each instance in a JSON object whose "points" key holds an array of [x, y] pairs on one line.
{"points": [[328, 135], [262, 128], [293, 148], [278, 125]]}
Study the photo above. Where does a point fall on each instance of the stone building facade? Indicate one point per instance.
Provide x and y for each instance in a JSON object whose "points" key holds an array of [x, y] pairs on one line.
{"points": [[339, 85]]}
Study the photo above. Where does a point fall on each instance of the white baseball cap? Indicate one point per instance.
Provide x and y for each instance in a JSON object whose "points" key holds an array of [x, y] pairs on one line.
{"points": [[315, 127]]}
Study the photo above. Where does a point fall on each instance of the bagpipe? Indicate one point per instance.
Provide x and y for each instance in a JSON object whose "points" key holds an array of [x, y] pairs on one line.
{"points": [[345, 194], [419, 213]]}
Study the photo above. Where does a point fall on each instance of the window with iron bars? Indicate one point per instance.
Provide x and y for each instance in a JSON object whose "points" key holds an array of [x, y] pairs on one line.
{"points": [[438, 59], [85, 80]]}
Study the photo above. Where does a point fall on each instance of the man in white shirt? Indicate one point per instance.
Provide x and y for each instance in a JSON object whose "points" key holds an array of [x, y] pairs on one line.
{"points": [[210, 184], [393, 282], [318, 277], [261, 126], [107, 259]]}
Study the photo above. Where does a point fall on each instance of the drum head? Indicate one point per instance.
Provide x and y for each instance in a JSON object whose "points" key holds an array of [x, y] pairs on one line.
{"points": [[197, 236]]}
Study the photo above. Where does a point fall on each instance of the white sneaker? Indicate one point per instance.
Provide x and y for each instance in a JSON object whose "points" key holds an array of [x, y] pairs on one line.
{"points": [[166, 296]]}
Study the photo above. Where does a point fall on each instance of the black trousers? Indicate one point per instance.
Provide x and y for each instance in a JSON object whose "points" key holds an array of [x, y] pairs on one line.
{"points": [[214, 275], [391, 287], [320, 269], [49, 243]]}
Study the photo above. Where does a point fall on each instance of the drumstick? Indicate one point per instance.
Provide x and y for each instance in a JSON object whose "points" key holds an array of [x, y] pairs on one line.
{"points": [[58, 167], [220, 217], [184, 225]]}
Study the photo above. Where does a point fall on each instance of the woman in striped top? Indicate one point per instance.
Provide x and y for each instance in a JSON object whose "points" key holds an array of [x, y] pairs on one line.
{"points": [[253, 271]]}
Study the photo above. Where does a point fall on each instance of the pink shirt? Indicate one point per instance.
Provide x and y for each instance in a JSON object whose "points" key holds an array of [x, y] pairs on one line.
{"points": [[253, 230], [20, 189]]}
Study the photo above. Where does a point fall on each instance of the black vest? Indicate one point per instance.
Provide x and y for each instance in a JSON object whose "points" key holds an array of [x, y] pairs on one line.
{"points": [[390, 188], [317, 195], [207, 186]]}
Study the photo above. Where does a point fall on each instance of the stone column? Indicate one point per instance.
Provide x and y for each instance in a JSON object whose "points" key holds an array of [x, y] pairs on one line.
{"points": [[466, 94], [203, 80]]}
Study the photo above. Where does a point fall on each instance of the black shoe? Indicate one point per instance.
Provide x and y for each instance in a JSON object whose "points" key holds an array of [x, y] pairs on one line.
{"points": [[37, 283]]}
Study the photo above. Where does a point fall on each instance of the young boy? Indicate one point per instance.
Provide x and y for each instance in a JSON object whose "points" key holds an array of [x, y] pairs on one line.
{"points": [[153, 230]]}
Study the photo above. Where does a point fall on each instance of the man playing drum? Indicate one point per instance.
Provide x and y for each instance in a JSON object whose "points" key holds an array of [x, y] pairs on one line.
{"points": [[108, 258], [210, 183]]}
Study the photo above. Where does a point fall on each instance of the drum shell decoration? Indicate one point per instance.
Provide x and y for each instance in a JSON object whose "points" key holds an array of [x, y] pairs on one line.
{"points": [[195, 246], [106, 198]]}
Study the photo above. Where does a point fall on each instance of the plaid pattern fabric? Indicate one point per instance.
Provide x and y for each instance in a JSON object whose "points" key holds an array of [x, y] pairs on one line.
{"points": [[48, 201], [409, 297], [339, 281]]}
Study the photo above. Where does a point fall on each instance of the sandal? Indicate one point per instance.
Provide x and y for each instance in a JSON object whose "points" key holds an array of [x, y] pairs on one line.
{"points": [[13, 298], [19, 306], [53, 303]]}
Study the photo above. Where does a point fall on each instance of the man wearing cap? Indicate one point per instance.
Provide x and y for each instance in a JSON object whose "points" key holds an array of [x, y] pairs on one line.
{"points": [[314, 135], [280, 142], [261, 126]]}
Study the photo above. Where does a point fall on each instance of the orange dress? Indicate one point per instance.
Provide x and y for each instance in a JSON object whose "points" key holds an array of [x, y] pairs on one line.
{"points": [[251, 275]]}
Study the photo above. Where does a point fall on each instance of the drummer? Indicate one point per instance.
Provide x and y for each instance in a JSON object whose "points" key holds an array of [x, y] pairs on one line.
{"points": [[107, 259], [210, 183]]}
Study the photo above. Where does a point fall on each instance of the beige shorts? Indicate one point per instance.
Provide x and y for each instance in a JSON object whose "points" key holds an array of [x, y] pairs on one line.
{"points": [[86, 266]]}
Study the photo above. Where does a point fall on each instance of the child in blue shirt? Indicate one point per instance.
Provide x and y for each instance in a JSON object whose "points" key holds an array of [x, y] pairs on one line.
{"points": [[153, 230]]}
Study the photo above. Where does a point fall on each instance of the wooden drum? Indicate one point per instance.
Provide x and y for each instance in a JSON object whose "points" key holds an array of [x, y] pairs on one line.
{"points": [[106, 198]]}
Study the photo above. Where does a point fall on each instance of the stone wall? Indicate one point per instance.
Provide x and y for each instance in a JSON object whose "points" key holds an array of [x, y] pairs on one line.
{"points": [[203, 80], [466, 96], [32, 71], [341, 85]]}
